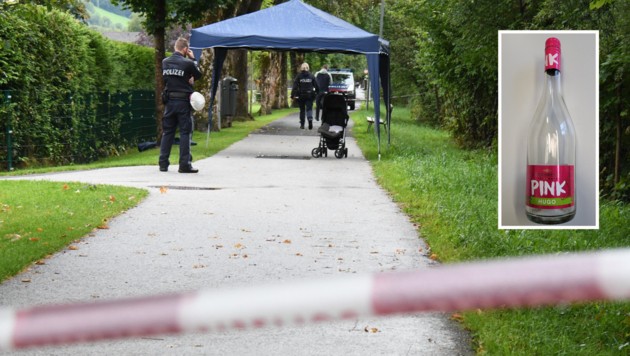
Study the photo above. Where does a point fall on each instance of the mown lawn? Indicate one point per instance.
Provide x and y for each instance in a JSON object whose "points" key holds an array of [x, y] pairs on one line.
{"points": [[452, 194], [38, 218]]}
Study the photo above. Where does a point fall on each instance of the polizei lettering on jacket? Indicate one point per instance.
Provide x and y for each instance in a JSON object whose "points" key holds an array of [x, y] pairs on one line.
{"points": [[175, 72]]}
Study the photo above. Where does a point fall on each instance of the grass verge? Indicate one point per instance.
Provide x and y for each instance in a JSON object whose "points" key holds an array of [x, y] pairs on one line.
{"points": [[452, 195], [40, 218]]}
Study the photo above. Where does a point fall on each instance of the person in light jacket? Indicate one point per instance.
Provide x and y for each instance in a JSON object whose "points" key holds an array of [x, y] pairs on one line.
{"points": [[323, 79]]}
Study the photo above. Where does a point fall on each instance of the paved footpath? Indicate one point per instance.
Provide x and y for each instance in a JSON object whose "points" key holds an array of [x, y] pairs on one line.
{"points": [[259, 212]]}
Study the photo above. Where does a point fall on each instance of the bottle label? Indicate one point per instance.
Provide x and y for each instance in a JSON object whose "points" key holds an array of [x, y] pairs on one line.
{"points": [[550, 186]]}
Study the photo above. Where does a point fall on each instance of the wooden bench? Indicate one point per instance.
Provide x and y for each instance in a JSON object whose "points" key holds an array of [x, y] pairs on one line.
{"points": [[370, 121]]}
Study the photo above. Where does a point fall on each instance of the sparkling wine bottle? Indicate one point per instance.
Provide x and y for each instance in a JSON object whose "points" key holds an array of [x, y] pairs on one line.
{"points": [[551, 150]]}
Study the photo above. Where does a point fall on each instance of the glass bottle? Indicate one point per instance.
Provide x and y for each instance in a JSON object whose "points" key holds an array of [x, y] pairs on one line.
{"points": [[551, 150]]}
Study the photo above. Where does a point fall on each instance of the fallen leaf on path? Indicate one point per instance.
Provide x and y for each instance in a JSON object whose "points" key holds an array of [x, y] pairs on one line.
{"points": [[73, 247], [239, 246], [163, 190], [26, 280], [103, 227], [40, 262], [367, 329], [299, 254], [287, 241], [433, 256], [457, 317]]}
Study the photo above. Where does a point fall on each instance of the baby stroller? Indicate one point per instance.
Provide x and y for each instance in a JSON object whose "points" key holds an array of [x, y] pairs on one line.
{"points": [[333, 129]]}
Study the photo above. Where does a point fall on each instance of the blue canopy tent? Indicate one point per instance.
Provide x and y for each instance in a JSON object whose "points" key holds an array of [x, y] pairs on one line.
{"points": [[296, 26]]}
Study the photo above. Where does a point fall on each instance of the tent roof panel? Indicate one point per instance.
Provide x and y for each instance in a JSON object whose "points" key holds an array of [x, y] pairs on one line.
{"points": [[289, 26]]}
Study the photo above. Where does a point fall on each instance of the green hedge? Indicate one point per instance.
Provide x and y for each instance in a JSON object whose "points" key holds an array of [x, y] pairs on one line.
{"points": [[55, 69]]}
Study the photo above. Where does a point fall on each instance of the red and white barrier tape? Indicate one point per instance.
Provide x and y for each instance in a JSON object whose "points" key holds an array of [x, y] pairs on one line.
{"points": [[603, 275]]}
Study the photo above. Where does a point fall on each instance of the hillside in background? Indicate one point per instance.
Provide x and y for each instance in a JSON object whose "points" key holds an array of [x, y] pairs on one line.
{"points": [[106, 17]]}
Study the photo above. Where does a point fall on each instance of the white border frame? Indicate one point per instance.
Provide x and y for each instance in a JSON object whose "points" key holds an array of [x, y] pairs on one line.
{"points": [[500, 111]]}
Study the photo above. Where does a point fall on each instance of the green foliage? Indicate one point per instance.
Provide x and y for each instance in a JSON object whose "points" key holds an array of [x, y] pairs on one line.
{"points": [[53, 67]]}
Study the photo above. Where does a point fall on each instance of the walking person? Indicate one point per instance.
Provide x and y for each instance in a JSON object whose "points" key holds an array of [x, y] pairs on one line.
{"points": [[305, 90], [180, 72], [323, 79]]}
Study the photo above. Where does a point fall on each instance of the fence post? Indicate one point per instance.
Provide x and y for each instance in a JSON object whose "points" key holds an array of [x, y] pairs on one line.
{"points": [[7, 102]]}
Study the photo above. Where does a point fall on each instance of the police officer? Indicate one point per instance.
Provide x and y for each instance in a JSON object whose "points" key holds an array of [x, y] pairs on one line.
{"points": [[304, 90], [323, 79], [179, 72]]}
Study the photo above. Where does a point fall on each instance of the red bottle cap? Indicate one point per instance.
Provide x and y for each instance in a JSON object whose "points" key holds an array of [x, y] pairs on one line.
{"points": [[552, 53]]}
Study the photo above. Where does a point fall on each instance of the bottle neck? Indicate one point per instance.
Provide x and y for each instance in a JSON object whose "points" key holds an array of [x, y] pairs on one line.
{"points": [[553, 83]]}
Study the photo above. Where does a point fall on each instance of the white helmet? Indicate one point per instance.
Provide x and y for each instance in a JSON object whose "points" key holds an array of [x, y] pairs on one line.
{"points": [[197, 101]]}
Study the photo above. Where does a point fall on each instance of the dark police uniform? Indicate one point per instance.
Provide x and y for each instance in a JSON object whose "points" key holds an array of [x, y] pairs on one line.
{"points": [[177, 71], [305, 89]]}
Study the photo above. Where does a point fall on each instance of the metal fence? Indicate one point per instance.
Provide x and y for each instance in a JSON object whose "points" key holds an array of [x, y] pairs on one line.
{"points": [[84, 127]]}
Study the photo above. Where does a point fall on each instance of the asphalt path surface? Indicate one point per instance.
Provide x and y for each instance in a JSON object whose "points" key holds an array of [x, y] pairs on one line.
{"points": [[259, 212]]}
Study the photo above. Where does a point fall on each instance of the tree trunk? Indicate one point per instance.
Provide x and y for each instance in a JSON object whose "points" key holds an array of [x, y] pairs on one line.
{"points": [[203, 85], [284, 103], [280, 93], [236, 66], [268, 84], [296, 61], [160, 51]]}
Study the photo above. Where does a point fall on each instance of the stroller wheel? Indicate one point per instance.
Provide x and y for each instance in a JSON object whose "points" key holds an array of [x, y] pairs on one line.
{"points": [[325, 152], [339, 153], [316, 153], [345, 152]]}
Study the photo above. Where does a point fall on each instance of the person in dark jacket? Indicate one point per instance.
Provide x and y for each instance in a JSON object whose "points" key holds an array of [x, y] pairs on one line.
{"points": [[179, 72], [323, 79], [304, 91]]}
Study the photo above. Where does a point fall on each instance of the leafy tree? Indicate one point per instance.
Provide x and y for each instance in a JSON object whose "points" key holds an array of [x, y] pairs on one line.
{"points": [[76, 8], [158, 16]]}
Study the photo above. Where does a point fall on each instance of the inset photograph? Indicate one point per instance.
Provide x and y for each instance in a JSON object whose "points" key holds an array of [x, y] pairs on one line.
{"points": [[548, 130]]}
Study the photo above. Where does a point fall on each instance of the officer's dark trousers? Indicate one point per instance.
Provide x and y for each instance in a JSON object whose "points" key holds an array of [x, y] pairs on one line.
{"points": [[176, 114], [319, 103], [306, 109]]}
